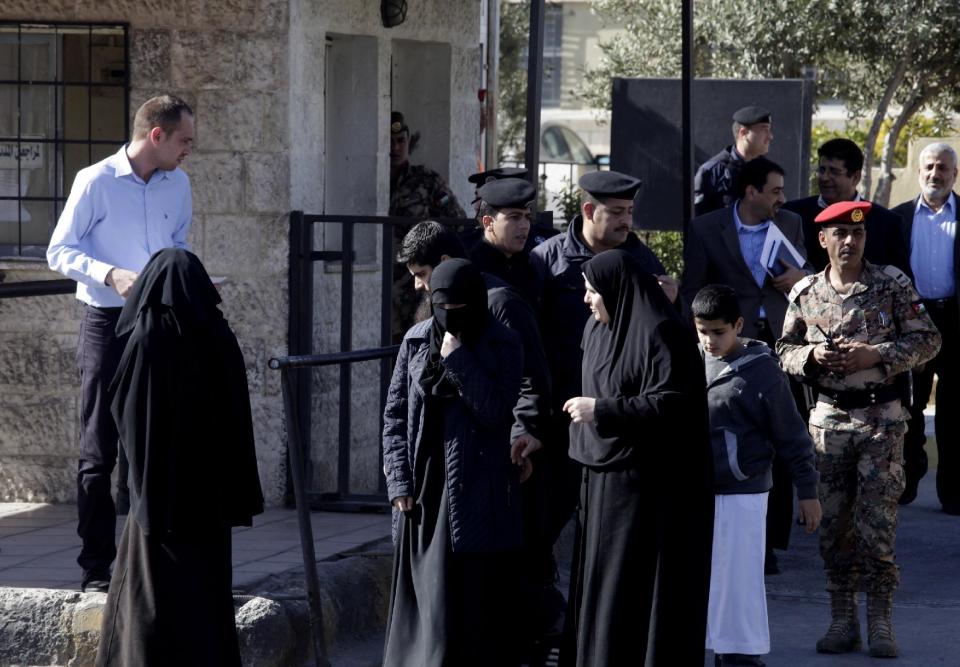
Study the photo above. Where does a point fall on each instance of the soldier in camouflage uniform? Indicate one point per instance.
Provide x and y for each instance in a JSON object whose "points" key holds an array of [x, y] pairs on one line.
{"points": [[415, 192], [850, 331]]}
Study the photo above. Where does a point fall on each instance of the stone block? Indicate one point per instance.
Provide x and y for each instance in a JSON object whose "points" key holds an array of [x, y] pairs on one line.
{"points": [[275, 244], [262, 61], [229, 119], [32, 631], [150, 58], [38, 425], [38, 479], [256, 306], [37, 360], [276, 122], [267, 182], [43, 314], [254, 358], [205, 59], [270, 434], [216, 180], [262, 628], [232, 245]]}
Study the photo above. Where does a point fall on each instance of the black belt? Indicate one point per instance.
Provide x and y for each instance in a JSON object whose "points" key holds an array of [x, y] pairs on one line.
{"points": [[940, 304], [858, 398]]}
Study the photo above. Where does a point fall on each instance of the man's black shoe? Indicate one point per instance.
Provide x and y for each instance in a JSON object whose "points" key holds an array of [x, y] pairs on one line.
{"points": [[95, 586], [95, 581]]}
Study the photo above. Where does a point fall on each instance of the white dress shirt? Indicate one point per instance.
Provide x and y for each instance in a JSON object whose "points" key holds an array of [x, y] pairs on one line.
{"points": [[112, 218]]}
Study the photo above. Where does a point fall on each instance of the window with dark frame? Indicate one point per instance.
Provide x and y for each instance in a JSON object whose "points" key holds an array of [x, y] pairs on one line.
{"points": [[64, 105], [552, 56]]}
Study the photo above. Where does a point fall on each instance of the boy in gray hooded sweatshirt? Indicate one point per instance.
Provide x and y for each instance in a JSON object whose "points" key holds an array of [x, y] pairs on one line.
{"points": [[753, 418]]}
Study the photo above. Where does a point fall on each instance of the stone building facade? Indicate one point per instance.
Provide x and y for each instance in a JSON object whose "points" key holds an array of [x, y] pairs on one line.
{"points": [[292, 101]]}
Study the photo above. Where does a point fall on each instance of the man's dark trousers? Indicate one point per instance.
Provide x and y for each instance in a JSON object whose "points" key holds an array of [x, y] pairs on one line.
{"points": [[98, 354], [944, 314]]}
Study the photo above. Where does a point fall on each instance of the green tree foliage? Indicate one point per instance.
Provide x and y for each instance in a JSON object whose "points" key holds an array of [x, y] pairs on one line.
{"points": [[668, 247], [918, 127], [886, 60]]}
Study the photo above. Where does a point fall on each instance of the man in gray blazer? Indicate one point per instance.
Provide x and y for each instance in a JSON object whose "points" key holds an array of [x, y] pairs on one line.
{"points": [[724, 246]]}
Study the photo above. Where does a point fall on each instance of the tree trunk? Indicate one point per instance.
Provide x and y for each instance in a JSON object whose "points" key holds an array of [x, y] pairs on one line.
{"points": [[882, 195], [893, 83]]}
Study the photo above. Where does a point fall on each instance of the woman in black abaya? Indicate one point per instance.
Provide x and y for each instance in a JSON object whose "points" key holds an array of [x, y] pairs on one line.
{"points": [[183, 415], [642, 567], [454, 490]]}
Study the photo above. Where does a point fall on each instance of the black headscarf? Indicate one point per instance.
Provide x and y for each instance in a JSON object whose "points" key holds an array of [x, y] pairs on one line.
{"points": [[643, 364], [454, 281], [174, 278]]}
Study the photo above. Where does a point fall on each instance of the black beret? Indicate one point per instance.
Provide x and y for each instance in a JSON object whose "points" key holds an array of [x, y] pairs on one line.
{"points": [[396, 122], [496, 174], [751, 115], [508, 193], [609, 184]]}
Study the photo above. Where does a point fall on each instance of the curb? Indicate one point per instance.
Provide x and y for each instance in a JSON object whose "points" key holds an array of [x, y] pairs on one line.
{"points": [[41, 626]]}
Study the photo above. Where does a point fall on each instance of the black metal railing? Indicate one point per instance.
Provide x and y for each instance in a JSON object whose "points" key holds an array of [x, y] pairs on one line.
{"points": [[36, 288], [301, 319]]}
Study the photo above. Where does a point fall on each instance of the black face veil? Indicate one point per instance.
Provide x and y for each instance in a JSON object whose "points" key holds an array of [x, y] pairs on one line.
{"points": [[458, 281]]}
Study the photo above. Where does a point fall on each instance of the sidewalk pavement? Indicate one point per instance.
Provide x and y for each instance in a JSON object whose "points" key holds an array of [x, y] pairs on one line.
{"points": [[926, 611], [44, 619]]}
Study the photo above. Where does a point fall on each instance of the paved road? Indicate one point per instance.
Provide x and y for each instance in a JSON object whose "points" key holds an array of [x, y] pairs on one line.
{"points": [[926, 613]]}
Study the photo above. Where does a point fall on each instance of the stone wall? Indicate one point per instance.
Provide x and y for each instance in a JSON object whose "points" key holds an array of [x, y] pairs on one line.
{"points": [[254, 72]]}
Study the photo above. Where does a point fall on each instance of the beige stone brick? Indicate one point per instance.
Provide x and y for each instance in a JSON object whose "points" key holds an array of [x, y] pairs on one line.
{"points": [[261, 61], [37, 361], [46, 314], [38, 479], [38, 425], [232, 245], [229, 120], [216, 180], [267, 183], [150, 58], [204, 59]]}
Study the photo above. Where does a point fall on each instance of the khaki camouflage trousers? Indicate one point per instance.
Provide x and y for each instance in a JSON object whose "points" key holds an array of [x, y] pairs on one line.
{"points": [[861, 479]]}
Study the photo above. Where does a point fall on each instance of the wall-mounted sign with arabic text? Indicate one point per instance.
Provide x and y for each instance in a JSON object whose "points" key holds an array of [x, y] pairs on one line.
{"points": [[28, 153]]}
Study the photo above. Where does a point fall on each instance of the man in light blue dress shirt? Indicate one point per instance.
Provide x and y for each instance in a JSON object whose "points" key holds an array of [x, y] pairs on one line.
{"points": [[930, 228], [120, 211]]}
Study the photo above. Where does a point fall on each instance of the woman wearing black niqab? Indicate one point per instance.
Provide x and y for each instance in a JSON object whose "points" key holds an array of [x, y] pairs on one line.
{"points": [[642, 565], [454, 490], [183, 415]]}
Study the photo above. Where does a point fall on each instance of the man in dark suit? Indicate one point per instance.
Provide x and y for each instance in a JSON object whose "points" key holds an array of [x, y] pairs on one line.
{"points": [[839, 173], [930, 225], [724, 247]]}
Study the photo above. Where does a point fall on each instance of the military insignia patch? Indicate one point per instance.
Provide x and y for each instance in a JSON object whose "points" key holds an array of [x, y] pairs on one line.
{"points": [[856, 215], [918, 307]]}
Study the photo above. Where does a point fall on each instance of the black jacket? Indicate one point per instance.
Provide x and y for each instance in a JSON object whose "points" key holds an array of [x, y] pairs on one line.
{"points": [[513, 311], [906, 211], [714, 182], [515, 271], [557, 263], [482, 484], [886, 243]]}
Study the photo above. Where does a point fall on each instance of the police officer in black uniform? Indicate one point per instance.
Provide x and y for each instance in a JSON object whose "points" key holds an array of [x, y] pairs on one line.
{"points": [[713, 186], [504, 212]]}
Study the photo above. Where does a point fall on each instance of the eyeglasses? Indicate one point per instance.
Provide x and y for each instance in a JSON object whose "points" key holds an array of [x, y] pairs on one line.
{"points": [[833, 171]]}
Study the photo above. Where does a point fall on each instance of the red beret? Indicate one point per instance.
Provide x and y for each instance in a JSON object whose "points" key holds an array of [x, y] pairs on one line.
{"points": [[844, 213]]}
